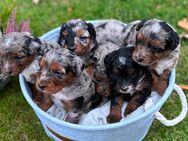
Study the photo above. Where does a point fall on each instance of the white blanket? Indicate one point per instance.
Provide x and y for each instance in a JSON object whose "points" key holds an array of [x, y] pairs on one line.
{"points": [[98, 115]]}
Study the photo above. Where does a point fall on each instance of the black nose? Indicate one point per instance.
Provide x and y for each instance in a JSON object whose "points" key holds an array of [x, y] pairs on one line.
{"points": [[139, 59], [124, 89], [9, 72]]}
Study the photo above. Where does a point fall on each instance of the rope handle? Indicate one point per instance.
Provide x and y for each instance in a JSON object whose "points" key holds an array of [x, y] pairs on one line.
{"points": [[183, 113]]}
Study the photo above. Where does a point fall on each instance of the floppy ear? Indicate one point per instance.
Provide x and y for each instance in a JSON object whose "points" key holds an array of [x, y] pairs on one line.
{"points": [[63, 33], [140, 25], [91, 30], [109, 59], [32, 44], [173, 39]]}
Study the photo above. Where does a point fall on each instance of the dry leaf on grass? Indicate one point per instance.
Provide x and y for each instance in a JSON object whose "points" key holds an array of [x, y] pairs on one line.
{"points": [[185, 87], [183, 24]]}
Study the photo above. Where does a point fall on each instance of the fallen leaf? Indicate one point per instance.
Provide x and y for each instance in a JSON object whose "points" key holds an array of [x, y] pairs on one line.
{"points": [[183, 24], [183, 86]]}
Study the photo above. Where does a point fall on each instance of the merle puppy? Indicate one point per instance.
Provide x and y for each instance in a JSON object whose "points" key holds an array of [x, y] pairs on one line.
{"points": [[130, 82], [79, 37], [21, 52], [63, 80], [157, 46], [92, 44]]}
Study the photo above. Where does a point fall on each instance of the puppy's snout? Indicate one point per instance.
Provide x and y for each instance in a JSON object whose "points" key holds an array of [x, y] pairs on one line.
{"points": [[124, 89], [71, 47], [8, 72], [139, 58], [41, 86]]}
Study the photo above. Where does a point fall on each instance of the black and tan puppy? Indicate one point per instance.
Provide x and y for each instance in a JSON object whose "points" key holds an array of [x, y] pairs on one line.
{"points": [[130, 82], [63, 80], [156, 45]]}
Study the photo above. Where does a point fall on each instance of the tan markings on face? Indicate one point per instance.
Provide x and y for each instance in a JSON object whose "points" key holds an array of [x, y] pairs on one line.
{"points": [[15, 62], [54, 67], [51, 84], [82, 48], [47, 86], [143, 50], [156, 43]]}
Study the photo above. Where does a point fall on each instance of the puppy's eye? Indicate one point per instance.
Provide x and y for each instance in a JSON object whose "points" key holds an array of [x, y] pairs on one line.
{"points": [[58, 74], [19, 57], [156, 49], [121, 67], [84, 38]]}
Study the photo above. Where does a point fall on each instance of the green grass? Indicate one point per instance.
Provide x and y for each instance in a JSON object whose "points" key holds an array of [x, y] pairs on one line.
{"points": [[18, 121]]}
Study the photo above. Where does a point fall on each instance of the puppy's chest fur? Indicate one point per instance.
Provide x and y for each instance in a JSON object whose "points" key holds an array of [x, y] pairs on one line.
{"points": [[82, 87]]}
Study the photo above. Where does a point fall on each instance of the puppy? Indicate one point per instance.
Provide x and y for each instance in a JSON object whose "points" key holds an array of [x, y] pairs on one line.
{"points": [[92, 44], [156, 45], [79, 37], [130, 81], [21, 52], [109, 35], [63, 79]]}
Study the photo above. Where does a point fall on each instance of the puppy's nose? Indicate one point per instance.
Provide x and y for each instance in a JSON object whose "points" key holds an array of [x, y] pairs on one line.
{"points": [[124, 89], [139, 59], [8, 72], [41, 86]]}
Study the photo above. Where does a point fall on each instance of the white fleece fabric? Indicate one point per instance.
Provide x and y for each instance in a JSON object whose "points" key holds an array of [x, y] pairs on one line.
{"points": [[98, 116]]}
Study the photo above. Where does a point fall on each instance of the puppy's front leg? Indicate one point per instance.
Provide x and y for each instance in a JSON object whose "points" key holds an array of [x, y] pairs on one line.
{"points": [[75, 108], [160, 82], [137, 100], [73, 116], [45, 103], [115, 108]]}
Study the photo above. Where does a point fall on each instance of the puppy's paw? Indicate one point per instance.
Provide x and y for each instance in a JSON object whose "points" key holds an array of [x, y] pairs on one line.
{"points": [[113, 119], [72, 119]]}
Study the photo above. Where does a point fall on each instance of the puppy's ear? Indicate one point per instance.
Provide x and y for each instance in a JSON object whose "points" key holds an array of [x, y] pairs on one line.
{"points": [[109, 59], [140, 25], [63, 33], [173, 39], [32, 44], [91, 30]]}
